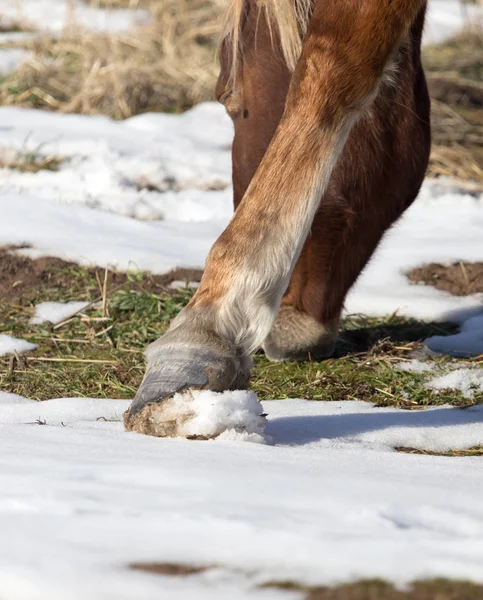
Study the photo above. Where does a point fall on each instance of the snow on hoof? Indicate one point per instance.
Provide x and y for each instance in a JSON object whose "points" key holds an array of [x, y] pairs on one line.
{"points": [[202, 414]]}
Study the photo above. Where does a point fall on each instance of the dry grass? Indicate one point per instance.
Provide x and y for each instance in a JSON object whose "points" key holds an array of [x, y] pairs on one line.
{"points": [[455, 76], [166, 66], [476, 451], [28, 162]]}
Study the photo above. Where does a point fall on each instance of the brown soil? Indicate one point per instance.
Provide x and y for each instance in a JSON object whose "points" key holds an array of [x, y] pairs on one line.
{"points": [[21, 277], [171, 569], [459, 279], [476, 451], [438, 589]]}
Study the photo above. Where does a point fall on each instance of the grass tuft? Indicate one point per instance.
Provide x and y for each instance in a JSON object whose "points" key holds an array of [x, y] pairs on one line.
{"points": [[29, 162]]}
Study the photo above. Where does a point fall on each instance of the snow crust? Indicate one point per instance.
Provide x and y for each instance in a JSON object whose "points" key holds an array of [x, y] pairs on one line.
{"points": [[12, 345], [56, 312], [466, 380], [80, 500], [233, 415]]}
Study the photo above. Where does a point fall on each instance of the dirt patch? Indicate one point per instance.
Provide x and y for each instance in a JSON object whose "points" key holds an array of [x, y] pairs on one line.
{"points": [[170, 569], [459, 279], [437, 589], [22, 278]]}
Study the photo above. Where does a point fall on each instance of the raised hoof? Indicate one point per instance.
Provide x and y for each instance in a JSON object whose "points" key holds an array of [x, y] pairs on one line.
{"points": [[296, 336], [177, 367]]}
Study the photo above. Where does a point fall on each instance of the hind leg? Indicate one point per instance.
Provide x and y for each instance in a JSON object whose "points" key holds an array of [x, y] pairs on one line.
{"points": [[378, 176]]}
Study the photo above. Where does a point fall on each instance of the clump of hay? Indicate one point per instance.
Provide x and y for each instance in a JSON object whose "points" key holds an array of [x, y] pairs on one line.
{"points": [[168, 65], [455, 77]]}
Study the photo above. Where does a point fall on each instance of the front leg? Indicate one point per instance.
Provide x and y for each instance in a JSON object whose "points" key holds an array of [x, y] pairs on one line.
{"points": [[345, 52]]}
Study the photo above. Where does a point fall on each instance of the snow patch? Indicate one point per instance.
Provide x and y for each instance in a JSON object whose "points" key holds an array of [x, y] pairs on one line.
{"points": [[178, 284], [11, 59], [415, 366], [467, 381], [56, 312], [65, 412], [13, 399], [12, 345]]}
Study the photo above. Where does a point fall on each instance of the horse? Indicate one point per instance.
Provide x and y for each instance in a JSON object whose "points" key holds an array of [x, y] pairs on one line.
{"points": [[332, 137]]}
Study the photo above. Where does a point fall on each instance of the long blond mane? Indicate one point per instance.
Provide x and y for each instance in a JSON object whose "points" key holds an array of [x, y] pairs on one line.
{"points": [[287, 19]]}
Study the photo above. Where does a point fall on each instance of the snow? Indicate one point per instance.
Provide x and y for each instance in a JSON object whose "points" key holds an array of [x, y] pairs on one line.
{"points": [[106, 162], [177, 284], [56, 312], [447, 18], [466, 380], [232, 415], [80, 500], [11, 59], [55, 15], [467, 342], [415, 366], [12, 345]]}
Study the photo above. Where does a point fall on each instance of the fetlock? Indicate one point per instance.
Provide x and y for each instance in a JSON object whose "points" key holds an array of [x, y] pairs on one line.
{"points": [[296, 336]]}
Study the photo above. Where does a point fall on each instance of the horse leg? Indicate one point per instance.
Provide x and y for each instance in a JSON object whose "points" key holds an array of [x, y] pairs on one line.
{"points": [[344, 56], [377, 177], [371, 186], [256, 101]]}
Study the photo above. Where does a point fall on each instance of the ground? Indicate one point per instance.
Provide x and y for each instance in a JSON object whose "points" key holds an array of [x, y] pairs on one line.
{"points": [[100, 353], [364, 490]]}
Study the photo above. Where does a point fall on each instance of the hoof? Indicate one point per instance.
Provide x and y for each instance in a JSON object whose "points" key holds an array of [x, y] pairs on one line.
{"points": [[296, 336], [175, 367], [202, 415]]}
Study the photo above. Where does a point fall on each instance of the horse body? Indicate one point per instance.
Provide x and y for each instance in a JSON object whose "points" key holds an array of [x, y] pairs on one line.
{"points": [[325, 159]]}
